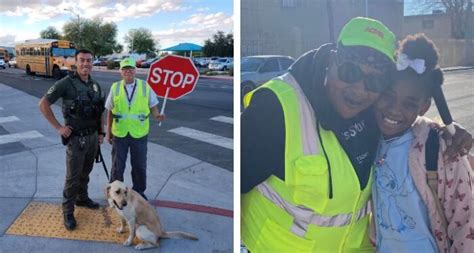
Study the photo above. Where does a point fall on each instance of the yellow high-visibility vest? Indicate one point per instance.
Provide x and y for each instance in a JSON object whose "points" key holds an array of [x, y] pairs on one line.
{"points": [[298, 214], [131, 119]]}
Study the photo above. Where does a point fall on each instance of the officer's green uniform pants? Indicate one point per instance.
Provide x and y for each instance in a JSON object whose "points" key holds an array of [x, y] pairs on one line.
{"points": [[79, 162]]}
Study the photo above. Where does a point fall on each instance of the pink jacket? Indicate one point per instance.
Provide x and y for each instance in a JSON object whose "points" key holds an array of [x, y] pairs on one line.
{"points": [[454, 191]]}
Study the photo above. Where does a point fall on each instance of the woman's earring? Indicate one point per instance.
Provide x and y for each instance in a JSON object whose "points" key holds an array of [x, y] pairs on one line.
{"points": [[326, 77]]}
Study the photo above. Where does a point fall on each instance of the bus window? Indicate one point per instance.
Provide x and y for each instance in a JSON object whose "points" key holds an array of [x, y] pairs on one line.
{"points": [[68, 52]]}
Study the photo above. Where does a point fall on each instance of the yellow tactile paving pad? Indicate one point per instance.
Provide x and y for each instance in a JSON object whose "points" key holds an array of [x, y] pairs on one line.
{"points": [[46, 220]]}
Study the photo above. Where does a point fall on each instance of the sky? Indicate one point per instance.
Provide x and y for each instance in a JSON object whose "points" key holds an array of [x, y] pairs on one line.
{"points": [[420, 7], [170, 21]]}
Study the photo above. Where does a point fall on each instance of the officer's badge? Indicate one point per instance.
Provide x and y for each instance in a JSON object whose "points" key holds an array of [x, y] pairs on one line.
{"points": [[95, 88]]}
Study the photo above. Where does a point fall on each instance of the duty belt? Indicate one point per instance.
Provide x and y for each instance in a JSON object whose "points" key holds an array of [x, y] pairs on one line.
{"points": [[84, 132]]}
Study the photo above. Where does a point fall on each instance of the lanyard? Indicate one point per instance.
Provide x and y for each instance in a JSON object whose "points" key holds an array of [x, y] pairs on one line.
{"points": [[129, 98]]}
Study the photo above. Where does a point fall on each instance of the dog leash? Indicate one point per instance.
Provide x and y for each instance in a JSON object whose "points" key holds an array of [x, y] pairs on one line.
{"points": [[99, 158]]}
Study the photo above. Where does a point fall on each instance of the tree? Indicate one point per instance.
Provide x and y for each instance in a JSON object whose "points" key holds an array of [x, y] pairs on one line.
{"points": [[220, 45], [140, 41], [94, 35], [50, 33], [459, 12]]}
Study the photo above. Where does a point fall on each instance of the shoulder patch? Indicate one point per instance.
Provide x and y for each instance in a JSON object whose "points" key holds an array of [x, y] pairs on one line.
{"points": [[95, 87], [51, 90]]}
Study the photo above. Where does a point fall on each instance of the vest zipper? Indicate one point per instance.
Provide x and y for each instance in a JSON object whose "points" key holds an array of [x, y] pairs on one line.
{"points": [[327, 161]]}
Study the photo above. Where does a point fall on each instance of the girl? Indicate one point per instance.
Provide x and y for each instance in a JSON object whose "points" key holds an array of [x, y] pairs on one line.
{"points": [[409, 215]]}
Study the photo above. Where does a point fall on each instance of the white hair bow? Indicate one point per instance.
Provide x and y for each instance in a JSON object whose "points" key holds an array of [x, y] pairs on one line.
{"points": [[404, 62]]}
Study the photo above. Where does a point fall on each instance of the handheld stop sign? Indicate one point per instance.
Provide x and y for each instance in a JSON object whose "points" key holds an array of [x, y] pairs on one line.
{"points": [[172, 77]]}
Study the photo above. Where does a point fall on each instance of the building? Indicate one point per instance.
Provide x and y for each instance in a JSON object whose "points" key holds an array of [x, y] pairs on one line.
{"points": [[437, 26], [292, 27]]}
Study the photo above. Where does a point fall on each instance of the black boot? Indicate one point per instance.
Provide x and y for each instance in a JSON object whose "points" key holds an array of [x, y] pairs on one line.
{"points": [[88, 203], [69, 221]]}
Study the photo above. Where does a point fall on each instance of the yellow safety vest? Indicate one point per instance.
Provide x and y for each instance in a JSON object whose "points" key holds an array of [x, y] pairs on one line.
{"points": [[297, 214], [131, 119]]}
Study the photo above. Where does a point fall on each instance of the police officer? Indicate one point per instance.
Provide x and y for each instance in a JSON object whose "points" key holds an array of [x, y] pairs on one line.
{"points": [[82, 108]]}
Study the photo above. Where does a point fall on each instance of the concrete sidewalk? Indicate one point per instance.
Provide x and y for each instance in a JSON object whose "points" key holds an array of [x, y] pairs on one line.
{"points": [[202, 193]]}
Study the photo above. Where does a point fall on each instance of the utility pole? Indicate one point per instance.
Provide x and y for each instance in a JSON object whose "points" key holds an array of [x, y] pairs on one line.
{"points": [[366, 9], [78, 23], [330, 21]]}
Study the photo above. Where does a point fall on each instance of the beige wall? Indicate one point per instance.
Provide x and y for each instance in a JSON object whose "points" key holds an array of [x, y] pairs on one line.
{"points": [[455, 52], [452, 52], [292, 27], [441, 26]]}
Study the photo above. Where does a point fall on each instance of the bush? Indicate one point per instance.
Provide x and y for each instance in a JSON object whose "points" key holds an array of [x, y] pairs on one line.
{"points": [[113, 65], [210, 73]]}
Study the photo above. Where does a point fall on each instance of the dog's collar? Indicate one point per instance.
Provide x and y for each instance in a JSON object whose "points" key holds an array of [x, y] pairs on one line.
{"points": [[115, 203]]}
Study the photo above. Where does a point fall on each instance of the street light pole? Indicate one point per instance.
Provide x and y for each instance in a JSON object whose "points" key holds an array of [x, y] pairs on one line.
{"points": [[78, 22]]}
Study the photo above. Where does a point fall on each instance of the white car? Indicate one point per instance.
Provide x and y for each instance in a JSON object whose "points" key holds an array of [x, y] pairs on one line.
{"points": [[222, 64], [12, 62], [2, 64], [258, 69]]}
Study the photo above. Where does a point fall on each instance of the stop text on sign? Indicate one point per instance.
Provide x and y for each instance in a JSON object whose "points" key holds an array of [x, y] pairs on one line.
{"points": [[173, 78]]}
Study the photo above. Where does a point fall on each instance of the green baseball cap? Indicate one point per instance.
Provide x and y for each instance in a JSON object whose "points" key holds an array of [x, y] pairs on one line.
{"points": [[127, 62], [368, 32]]}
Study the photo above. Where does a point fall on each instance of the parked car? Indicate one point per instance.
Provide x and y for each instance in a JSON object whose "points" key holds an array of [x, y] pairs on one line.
{"points": [[100, 62], [2, 64], [212, 59], [256, 70], [147, 63], [12, 62], [222, 64], [201, 61]]}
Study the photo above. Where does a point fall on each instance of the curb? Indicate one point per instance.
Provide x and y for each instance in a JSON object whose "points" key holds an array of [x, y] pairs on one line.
{"points": [[451, 69], [217, 77], [192, 207]]}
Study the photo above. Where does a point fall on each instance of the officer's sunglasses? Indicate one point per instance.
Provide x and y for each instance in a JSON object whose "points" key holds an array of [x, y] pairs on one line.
{"points": [[350, 72]]}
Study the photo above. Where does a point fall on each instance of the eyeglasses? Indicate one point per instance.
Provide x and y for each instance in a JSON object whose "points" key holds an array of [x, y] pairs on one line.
{"points": [[350, 72]]}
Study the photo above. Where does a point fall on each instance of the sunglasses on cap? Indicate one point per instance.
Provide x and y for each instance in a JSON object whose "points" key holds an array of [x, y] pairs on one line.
{"points": [[350, 72]]}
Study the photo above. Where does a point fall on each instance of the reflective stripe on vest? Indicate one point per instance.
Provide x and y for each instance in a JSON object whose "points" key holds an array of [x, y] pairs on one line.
{"points": [[307, 119], [304, 216]]}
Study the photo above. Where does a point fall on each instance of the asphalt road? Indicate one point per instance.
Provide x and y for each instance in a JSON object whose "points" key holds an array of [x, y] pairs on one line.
{"points": [[458, 89], [199, 125]]}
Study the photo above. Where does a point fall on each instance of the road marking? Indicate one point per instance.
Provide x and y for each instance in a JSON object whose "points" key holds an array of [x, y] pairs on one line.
{"points": [[16, 137], [223, 119], [8, 119], [205, 137]]}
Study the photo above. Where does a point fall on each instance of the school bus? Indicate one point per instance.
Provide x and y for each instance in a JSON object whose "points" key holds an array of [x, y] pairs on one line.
{"points": [[4, 54], [49, 57]]}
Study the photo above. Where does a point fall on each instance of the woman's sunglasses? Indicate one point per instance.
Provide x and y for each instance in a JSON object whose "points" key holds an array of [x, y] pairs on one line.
{"points": [[350, 72]]}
